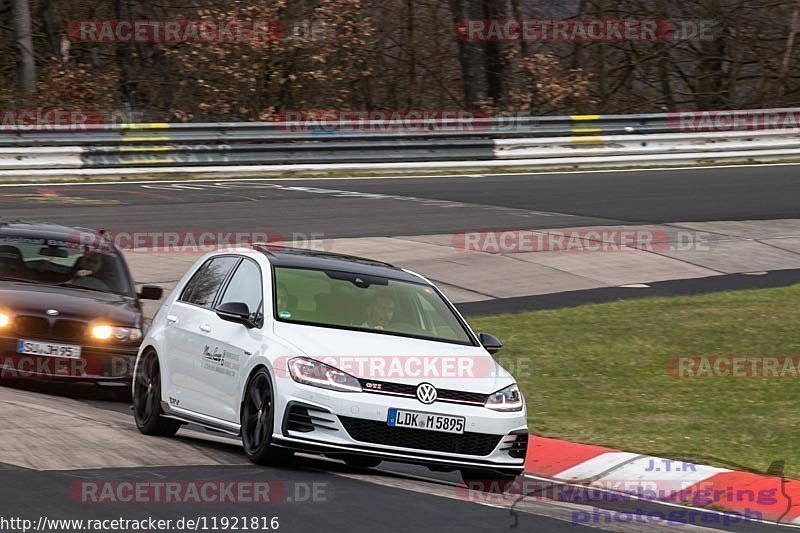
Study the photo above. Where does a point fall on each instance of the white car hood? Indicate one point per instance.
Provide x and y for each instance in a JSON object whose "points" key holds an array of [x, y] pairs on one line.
{"points": [[395, 359]]}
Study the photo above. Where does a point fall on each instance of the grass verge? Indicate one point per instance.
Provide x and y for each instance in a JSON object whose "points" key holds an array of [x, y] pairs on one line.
{"points": [[598, 374]]}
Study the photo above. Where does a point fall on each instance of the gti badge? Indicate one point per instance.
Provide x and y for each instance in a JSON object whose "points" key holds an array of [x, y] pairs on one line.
{"points": [[426, 393], [52, 312]]}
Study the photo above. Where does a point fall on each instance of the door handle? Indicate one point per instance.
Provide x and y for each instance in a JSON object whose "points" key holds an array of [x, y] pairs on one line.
{"points": [[205, 328], [171, 319]]}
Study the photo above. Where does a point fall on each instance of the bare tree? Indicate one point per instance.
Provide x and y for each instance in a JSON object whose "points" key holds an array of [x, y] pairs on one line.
{"points": [[470, 54], [23, 41]]}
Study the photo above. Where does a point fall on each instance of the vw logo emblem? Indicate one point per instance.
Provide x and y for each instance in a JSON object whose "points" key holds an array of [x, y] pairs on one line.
{"points": [[426, 393], [52, 312]]}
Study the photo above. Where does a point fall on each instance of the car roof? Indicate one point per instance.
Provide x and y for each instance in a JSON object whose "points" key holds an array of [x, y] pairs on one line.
{"points": [[284, 256], [43, 230]]}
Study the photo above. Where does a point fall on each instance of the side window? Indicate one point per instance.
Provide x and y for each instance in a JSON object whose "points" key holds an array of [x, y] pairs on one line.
{"points": [[245, 287], [202, 288]]}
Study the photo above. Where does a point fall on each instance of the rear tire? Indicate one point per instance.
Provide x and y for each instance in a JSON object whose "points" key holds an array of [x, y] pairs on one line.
{"points": [[147, 399], [258, 417]]}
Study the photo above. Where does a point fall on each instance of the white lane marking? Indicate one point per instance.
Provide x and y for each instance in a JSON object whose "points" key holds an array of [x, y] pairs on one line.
{"points": [[396, 177], [341, 193], [636, 286], [594, 467], [663, 473]]}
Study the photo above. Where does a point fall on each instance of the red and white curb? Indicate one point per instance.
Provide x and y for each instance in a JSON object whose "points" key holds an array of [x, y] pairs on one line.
{"points": [[647, 477]]}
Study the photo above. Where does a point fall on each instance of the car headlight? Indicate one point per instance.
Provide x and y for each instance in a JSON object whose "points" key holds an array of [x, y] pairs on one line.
{"points": [[311, 372], [106, 332], [5, 319], [508, 399]]}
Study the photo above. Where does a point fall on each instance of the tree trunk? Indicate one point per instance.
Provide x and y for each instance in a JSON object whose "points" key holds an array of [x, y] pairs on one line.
{"points": [[124, 53], [23, 41], [412, 57], [49, 26], [665, 67], [787, 53], [470, 55], [495, 64]]}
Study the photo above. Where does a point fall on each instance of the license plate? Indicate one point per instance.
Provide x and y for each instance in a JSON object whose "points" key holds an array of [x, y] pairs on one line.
{"points": [[426, 421], [48, 349]]}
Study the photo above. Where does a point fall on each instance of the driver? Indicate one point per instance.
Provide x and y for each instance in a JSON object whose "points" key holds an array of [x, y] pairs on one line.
{"points": [[89, 265], [87, 270], [380, 311]]}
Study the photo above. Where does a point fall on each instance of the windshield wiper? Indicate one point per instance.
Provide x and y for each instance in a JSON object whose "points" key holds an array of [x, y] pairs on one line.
{"points": [[71, 286]]}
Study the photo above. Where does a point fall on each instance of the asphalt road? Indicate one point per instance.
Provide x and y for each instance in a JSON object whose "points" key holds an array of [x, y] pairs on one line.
{"points": [[313, 493], [416, 206], [394, 497]]}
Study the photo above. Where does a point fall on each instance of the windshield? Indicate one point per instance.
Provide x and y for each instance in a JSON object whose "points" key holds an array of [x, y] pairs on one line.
{"points": [[64, 263], [365, 303]]}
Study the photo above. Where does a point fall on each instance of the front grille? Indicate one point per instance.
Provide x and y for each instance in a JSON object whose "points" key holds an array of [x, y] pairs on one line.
{"points": [[31, 326], [306, 419], [516, 444], [70, 330], [443, 395], [462, 397], [479, 444], [41, 329]]}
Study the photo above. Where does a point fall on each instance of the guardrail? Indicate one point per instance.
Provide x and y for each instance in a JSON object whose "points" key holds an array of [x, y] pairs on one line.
{"points": [[574, 141]]}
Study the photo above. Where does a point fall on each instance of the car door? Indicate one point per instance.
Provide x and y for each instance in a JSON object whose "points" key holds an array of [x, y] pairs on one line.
{"points": [[188, 323], [230, 344]]}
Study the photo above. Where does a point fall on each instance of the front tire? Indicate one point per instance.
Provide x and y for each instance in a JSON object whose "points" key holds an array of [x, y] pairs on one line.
{"points": [[258, 418], [147, 399]]}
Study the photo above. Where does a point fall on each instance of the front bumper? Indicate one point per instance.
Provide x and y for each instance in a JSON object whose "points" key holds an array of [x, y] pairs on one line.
{"points": [[334, 423], [97, 364]]}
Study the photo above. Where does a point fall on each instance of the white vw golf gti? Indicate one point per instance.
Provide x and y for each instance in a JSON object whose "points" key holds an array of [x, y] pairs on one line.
{"points": [[298, 350]]}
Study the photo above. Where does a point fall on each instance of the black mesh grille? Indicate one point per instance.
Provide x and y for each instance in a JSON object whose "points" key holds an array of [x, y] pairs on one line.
{"points": [[306, 419], [443, 395], [380, 433], [461, 396], [518, 447], [31, 326], [70, 330], [39, 328], [298, 419]]}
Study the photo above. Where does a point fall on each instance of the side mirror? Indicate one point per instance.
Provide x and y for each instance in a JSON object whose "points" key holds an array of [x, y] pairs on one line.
{"points": [[236, 312], [490, 342], [151, 292]]}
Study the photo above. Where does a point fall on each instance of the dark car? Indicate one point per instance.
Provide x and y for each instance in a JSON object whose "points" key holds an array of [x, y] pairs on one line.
{"points": [[69, 309]]}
